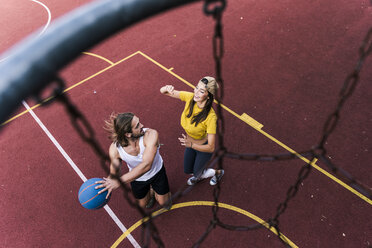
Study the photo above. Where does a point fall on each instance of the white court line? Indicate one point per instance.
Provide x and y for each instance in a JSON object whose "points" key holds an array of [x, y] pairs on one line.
{"points": [[45, 27], [78, 171], [49, 16]]}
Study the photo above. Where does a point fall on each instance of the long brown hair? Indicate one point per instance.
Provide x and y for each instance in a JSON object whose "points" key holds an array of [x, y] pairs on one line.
{"points": [[202, 114], [117, 126]]}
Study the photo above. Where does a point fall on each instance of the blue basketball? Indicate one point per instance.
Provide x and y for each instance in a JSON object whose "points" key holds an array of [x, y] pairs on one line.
{"points": [[89, 197]]}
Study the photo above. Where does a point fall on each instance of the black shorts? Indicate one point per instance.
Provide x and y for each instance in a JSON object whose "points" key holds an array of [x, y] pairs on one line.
{"points": [[159, 183]]}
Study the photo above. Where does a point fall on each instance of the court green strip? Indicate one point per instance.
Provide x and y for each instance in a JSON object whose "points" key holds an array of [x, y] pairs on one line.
{"points": [[202, 203], [256, 125]]}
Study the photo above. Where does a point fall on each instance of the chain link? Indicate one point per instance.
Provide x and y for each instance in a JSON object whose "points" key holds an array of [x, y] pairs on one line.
{"points": [[318, 152], [218, 51], [86, 132]]}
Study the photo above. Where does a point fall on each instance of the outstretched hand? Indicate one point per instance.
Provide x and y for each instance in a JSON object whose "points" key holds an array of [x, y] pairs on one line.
{"points": [[167, 89], [107, 184]]}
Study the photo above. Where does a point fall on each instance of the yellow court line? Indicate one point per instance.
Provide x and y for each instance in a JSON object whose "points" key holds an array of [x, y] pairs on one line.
{"points": [[244, 117], [18, 115], [100, 72], [203, 203], [318, 168], [98, 56], [75, 85], [256, 125]]}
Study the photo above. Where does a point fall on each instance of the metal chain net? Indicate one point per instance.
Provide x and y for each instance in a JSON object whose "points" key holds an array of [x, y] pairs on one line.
{"points": [[215, 8]]}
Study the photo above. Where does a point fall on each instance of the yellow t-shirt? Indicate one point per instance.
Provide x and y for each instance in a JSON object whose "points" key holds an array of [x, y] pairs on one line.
{"points": [[209, 125]]}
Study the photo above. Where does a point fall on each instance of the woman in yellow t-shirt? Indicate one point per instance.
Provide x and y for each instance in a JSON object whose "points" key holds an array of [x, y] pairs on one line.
{"points": [[199, 121]]}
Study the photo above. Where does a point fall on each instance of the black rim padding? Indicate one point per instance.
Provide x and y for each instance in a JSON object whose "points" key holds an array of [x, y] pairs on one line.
{"points": [[34, 62]]}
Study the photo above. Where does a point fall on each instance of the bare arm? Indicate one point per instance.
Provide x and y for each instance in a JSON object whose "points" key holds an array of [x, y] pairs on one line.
{"points": [[185, 141], [151, 144], [169, 90], [109, 183], [115, 162], [207, 147]]}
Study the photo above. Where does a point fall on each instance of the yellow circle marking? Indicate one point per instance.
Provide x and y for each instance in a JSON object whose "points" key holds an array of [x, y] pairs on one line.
{"points": [[100, 57], [202, 203]]}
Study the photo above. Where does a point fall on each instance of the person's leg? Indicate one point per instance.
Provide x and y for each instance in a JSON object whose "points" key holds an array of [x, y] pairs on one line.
{"points": [[150, 203], [189, 160], [141, 191], [161, 187], [142, 202], [164, 200], [201, 160], [189, 165]]}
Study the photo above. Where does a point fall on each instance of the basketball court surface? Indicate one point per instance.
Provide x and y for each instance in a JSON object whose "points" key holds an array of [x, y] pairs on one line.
{"points": [[284, 65]]}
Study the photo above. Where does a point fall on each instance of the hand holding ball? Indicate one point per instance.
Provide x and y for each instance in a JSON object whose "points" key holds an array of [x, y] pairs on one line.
{"points": [[89, 197]]}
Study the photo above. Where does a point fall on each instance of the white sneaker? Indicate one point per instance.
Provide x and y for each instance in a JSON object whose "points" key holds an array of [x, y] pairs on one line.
{"points": [[215, 178], [192, 180]]}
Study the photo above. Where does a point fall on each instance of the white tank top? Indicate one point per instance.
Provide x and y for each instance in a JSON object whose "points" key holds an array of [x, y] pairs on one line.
{"points": [[133, 161]]}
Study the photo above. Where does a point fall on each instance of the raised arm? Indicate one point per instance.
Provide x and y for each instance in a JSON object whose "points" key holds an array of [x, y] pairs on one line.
{"points": [[169, 90]]}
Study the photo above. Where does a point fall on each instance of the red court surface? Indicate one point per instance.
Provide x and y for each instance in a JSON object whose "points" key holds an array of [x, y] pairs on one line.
{"points": [[284, 65]]}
